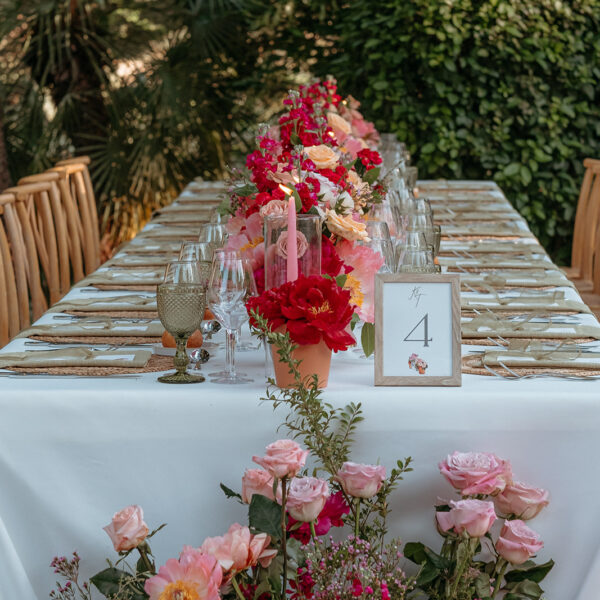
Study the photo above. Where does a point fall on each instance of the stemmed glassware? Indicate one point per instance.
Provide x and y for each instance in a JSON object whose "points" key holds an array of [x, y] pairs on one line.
{"points": [[181, 300], [228, 290], [213, 233]]}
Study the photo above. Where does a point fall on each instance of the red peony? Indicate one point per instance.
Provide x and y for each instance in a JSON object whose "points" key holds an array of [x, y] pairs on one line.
{"points": [[312, 308]]}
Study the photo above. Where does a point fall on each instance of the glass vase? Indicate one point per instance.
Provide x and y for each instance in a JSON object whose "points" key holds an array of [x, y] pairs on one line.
{"points": [[309, 247]]}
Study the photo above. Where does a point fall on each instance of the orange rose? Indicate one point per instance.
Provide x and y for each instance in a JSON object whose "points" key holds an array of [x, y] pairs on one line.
{"points": [[346, 227], [323, 156], [338, 123]]}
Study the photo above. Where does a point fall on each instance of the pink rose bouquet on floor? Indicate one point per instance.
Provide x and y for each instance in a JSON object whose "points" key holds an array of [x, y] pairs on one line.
{"points": [[473, 561]]}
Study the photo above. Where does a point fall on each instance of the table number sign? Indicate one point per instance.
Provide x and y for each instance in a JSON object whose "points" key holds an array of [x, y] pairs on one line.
{"points": [[417, 332]]}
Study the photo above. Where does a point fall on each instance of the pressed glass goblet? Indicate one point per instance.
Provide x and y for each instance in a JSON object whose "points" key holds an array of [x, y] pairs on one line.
{"points": [[181, 300], [196, 251]]}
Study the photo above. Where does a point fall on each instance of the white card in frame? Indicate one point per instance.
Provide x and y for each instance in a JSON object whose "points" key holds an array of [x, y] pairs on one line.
{"points": [[417, 330]]}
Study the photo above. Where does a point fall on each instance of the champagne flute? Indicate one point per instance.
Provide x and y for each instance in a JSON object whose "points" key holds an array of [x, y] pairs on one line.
{"points": [[227, 291], [181, 300]]}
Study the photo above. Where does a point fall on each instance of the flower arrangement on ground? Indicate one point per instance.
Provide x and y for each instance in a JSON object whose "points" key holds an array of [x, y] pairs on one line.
{"points": [[474, 562]]}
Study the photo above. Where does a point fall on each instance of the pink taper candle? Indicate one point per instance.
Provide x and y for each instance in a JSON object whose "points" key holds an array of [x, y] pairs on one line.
{"points": [[292, 242]]}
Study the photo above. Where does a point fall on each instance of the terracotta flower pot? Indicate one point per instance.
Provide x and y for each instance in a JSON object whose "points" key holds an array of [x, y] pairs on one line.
{"points": [[316, 359]]}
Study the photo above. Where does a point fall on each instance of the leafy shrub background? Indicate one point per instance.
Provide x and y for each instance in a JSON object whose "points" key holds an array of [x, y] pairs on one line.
{"points": [[502, 89]]}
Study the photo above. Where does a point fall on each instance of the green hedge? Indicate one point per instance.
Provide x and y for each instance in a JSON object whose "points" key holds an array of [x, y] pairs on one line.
{"points": [[502, 89]]}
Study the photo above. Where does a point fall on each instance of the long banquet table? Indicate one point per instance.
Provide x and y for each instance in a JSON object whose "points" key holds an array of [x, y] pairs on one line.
{"points": [[73, 450]]}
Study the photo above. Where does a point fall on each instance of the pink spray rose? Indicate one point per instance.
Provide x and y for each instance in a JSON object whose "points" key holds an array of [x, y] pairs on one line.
{"points": [[476, 472], [127, 529], [306, 498], [238, 549], [360, 481], [473, 516], [257, 481], [517, 543], [521, 500], [194, 575], [283, 458]]}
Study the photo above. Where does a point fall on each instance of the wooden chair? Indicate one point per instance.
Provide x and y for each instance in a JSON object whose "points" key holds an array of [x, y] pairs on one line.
{"points": [[67, 224], [22, 291], [587, 218], [82, 192]]}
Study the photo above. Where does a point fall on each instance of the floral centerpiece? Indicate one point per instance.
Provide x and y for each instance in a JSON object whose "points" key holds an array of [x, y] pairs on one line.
{"points": [[316, 314], [321, 152]]}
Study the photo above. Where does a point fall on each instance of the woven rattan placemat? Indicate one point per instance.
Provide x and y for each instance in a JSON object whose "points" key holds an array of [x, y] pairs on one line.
{"points": [[472, 365], [97, 339], [156, 363], [114, 314]]}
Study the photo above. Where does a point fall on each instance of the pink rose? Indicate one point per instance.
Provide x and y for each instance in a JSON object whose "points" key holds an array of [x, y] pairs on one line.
{"points": [[194, 575], [239, 550], [274, 208], [473, 516], [476, 472], [522, 501], [306, 498], [360, 481], [257, 481], [127, 529], [517, 543], [282, 242], [283, 458]]}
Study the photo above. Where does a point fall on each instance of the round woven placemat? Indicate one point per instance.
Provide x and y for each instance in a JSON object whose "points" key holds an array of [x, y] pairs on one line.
{"points": [[115, 314], [115, 340], [496, 340], [155, 364], [471, 365]]}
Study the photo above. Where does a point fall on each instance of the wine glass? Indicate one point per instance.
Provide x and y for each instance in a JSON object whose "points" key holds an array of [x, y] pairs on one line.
{"points": [[196, 251], [417, 260], [181, 300], [227, 292], [384, 247], [251, 290], [213, 233]]}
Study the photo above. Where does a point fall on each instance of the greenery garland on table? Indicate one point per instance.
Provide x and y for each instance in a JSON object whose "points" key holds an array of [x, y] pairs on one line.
{"points": [[284, 554]]}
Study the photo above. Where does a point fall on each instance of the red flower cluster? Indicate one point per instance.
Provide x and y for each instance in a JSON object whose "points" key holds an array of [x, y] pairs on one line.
{"points": [[369, 158], [312, 308], [331, 516]]}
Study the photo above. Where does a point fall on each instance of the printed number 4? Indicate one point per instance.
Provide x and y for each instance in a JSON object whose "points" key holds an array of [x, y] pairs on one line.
{"points": [[425, 339]]}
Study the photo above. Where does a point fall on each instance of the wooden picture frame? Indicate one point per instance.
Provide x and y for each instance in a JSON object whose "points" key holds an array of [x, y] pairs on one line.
{"points": [[408, 305]]}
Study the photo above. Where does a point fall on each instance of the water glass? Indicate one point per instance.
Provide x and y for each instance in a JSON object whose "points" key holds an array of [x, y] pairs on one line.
{"points": [[213, 233], [228, 289], [196, 251], [415, 260]]}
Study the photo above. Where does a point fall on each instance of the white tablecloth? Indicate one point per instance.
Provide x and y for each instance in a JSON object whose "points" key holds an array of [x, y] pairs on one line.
{"points": [[73, 451]]}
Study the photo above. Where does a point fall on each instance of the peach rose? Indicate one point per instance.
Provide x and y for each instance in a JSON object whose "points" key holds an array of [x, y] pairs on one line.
{"points": [[323, 156], [521, 500], [239, 550], [476, 473], [283, 458], [282, 240], [306, 498], [127, 529], [517, 543], [257, 481], [473, 516], [360, 481], [346, 227], [338, 124], [274, 208]]}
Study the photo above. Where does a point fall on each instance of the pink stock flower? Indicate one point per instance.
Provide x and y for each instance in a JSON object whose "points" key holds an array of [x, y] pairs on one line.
{"points": [[517, 542], [521, 500], [306, 498], [475, 473], [473, 516], [239, 550], [365, 262], [360, 481], [127, 529], [283, 458], [195, 576], [257, 481]]}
